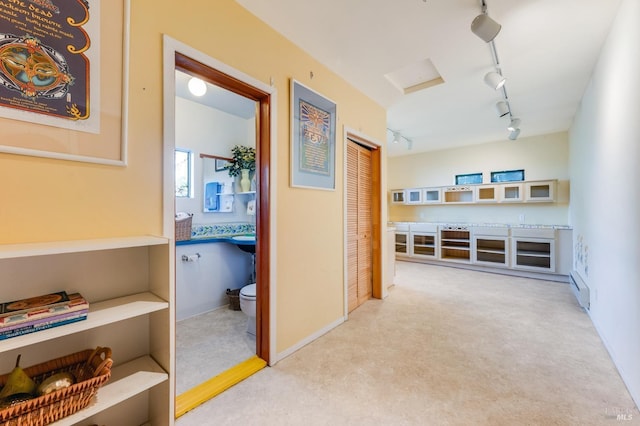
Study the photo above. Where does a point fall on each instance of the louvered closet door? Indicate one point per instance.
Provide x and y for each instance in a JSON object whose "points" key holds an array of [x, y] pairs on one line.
{"points": [[359, 225]]}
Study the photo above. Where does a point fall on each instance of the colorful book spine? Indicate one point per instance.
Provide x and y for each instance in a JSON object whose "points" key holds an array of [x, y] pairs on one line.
{"points": [[74, 303], [26, 330], [45, 320]]}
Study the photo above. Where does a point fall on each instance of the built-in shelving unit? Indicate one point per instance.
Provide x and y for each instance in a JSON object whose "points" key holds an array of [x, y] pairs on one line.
{"points": [[127, 283], [508, 192], [455, 244]]}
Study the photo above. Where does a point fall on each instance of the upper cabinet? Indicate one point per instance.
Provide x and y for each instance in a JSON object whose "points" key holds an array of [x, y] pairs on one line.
{"points": [[508, 192]]}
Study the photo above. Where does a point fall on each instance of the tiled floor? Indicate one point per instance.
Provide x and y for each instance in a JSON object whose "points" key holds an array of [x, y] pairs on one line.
{"points": [[209, 344]]}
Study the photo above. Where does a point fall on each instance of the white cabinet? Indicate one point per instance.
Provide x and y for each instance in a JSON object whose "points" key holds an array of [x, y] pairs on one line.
{"points": [[402, 240], [511, 192], [431, 195], [487, 193], [414, 196], [455, 243], [397, 196], [533, 249], [458, 194], [491, 246], [423, 240], [127, 284], [541, 192]]}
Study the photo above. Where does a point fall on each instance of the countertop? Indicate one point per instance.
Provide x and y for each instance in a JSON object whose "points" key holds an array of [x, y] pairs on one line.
{"points": [[496, 225]]}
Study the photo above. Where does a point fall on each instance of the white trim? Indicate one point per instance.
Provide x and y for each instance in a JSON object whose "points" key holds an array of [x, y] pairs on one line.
{"points": [[365, 140], [302, 343], [170, 47]]}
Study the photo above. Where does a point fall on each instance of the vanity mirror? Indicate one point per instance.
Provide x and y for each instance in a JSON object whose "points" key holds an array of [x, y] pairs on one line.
{"points": [[218, 191]]}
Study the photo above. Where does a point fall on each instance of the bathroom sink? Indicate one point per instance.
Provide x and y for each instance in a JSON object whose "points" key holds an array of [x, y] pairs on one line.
{"points": [[245, 243]]}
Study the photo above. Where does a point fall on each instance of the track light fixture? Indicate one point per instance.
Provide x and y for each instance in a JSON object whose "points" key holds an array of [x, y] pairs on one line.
{"points": [[503, 108], [494, 80], [487, 29], [397, 138]]}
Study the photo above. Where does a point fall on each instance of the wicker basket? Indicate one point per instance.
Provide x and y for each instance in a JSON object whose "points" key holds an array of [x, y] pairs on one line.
{"points": [[92, 368], [183, 228]]}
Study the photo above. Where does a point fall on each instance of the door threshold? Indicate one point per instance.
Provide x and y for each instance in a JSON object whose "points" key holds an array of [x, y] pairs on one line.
{"points": [[216, 385]]}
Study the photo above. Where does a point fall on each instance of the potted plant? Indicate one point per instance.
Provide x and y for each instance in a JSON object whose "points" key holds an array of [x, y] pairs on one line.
{"points": [[242, 162]]}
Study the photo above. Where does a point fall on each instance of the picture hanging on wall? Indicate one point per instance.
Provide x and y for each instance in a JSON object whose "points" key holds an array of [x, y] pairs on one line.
{"points": [[55, 70], [313, 139]]}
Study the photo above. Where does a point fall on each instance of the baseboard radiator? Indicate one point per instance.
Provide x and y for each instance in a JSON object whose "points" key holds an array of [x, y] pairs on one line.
{"points": [[580, 289]]}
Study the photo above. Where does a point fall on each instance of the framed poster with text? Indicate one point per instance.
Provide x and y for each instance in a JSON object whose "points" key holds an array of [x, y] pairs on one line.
{"points": [[56, 59], [313, 139]]}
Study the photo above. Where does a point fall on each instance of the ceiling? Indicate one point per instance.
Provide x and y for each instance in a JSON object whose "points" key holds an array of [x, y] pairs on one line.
{"points": [[547, 50]]}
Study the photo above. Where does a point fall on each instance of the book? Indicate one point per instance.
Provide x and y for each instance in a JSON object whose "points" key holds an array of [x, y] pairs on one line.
{"points": [[33, 303], [45, 320], [32, 329], [74, 302]]}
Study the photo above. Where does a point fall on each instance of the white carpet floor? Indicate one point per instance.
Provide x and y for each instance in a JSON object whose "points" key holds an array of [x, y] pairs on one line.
{"points": [[446, 347]]}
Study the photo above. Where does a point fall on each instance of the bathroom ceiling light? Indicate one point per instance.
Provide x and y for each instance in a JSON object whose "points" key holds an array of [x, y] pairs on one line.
{"points": [[514, 124], [197, 87], [494, 80], [514, 134], [485, 27], [396, 137], [503, 108]]}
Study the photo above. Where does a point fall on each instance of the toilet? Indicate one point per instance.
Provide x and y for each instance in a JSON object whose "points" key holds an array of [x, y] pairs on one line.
{"points": [[248, 306]]}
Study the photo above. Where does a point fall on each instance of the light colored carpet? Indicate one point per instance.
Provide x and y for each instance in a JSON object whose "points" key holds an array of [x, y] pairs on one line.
{"points": [[208, 344], [447, 347]]}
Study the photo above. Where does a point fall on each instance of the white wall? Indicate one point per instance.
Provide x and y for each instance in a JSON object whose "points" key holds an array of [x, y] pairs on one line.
{"points": [[605, 209], [210, 131], [542, 157]]}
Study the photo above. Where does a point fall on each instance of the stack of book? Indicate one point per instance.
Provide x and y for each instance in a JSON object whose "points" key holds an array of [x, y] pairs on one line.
{"points": [[41, 313]]}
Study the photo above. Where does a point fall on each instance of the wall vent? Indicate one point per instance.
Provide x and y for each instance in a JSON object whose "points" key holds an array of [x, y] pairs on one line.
{"points": [[580, 289]]}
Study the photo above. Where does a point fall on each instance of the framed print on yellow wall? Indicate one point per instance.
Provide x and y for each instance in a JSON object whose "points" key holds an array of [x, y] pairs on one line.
{"points": [[313, 139], [63, 79]]}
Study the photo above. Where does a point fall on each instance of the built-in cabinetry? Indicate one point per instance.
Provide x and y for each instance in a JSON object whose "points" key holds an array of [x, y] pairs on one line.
{"points": [[509, 192], [424, 240], [491, 246], [455, 243], [534, 249], [127, 284], [515, 248], [402, 240]]}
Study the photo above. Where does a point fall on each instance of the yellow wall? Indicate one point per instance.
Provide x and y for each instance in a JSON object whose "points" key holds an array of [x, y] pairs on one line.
{"points": [[48, 200]]}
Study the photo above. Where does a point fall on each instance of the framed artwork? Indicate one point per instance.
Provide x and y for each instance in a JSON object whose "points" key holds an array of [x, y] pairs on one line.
{"points": [[221, 164], [63, 79], [313, 139]]}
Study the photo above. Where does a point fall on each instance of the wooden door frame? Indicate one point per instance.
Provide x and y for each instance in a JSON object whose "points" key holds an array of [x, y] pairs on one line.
{"points": [[179, 55], [376, 213]]}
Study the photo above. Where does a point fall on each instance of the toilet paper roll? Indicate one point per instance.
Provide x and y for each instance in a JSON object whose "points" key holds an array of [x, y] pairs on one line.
{"points": [[190, 258]]}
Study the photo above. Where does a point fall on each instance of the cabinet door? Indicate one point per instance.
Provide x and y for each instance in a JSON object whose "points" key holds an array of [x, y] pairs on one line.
{"points": [[534, 254], [540, 191], [398, 196], [424, 245], [431, 195], [511, 193], [414, 196], [491, 251]]}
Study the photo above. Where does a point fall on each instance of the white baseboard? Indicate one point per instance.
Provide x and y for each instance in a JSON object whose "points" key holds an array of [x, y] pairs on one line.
{"points": [[282, 355]]}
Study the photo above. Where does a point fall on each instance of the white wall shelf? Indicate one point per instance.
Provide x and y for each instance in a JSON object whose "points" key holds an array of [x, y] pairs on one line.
{"points": [[101, 313]]}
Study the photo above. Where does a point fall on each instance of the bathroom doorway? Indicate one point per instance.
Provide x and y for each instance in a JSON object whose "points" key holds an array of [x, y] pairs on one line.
{"points": [[194, 64]]}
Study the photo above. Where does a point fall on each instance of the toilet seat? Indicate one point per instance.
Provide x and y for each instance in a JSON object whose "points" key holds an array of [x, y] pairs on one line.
{"points": [[248, 291]]}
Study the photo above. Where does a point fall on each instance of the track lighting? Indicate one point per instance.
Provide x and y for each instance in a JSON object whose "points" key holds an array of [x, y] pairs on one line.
{"points": [[397, 137], [485, 27], [514, 134], [494, 80], [503, 108], [197, 87], [514, 124]]}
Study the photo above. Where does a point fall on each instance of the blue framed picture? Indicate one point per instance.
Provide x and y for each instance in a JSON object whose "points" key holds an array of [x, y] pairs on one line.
{"points": [[313, 139]]}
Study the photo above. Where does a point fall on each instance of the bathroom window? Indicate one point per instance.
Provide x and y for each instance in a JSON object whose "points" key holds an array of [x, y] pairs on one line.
{"points": [[184, 173]]}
